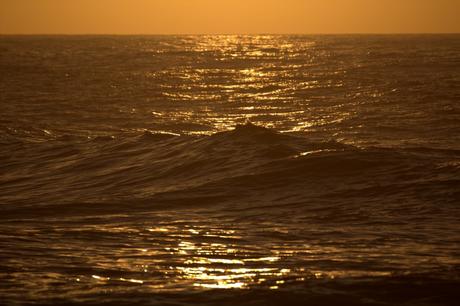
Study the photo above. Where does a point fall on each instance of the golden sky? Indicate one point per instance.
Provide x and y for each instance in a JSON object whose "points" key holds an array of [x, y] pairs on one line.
{"points": [[228, 16]]}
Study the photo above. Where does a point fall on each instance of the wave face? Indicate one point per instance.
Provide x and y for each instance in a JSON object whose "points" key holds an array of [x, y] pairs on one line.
{"points": [[230, 170]]}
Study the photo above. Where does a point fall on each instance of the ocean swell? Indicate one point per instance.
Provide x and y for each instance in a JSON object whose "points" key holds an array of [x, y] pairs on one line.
{"points": [[241, 167]]}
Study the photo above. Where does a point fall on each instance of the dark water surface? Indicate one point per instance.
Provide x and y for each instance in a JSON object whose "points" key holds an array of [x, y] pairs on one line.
{"points": [[129, 174]]}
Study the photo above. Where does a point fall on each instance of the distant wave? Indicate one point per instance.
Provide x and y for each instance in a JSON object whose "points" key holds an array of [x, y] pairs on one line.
{"points": [[157, 169]]}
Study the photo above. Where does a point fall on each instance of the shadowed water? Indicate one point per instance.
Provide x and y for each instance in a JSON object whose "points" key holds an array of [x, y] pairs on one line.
{"points": [[129, 173]]}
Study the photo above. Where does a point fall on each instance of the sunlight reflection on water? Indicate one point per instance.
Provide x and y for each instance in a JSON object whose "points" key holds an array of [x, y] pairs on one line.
{"points": [[206, 256], [281, 77]]}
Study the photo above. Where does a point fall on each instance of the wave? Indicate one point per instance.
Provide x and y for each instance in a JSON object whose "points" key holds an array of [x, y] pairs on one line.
{"points": [[250, 165]]}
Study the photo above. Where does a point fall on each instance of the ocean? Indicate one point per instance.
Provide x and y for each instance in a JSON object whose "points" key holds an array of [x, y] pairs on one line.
{"points": [[230, 170]]}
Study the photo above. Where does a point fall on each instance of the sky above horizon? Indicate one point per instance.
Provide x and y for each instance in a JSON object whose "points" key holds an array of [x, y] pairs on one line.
{"points": [[228, 16]]}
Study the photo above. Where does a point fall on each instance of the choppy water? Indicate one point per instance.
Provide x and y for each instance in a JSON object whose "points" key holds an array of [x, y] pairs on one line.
{"points": [[129, 173]]}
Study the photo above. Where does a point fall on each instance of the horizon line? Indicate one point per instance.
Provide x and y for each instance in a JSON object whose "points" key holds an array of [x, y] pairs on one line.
{"points": [[229, 34]]}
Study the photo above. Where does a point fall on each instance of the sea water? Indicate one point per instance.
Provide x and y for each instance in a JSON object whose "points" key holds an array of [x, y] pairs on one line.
{"points": [[229, 170]]}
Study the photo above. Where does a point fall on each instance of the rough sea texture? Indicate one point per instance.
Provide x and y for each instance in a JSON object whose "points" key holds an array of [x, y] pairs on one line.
{"points": [[230, 170]]}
